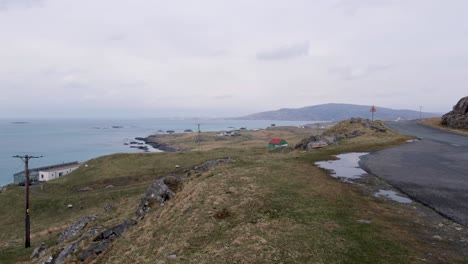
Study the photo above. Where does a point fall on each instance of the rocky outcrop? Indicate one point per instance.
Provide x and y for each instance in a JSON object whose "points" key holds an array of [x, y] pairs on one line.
{"points": [[157, 193], [164, 188], [367, 123], [75, 228], [102, 242], [351, 128], [39, 251], [74, 246], [458, 117], [207, 165]]}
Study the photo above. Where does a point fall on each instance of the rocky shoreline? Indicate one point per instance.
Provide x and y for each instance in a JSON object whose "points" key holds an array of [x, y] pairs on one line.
{"points": [[154, 141]]}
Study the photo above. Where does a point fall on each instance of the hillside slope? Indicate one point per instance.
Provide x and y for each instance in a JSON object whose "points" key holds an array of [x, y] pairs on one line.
{"points": [[335, 112], [260, 207]]}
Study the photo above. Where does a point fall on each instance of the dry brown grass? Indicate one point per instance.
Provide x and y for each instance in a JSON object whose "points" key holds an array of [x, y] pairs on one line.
{"points": [[280, 209], [435, 122], [263, 208], [260, 138]]}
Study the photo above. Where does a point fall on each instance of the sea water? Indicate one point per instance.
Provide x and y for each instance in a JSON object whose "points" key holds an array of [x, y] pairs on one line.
{"points": [[61, 140]]}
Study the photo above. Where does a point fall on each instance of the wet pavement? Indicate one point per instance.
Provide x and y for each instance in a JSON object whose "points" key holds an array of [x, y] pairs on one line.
{"points": [[433, 170]]}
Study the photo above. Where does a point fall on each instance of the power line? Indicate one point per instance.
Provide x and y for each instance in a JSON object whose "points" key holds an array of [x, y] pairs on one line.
{"points": [[25, 159]]}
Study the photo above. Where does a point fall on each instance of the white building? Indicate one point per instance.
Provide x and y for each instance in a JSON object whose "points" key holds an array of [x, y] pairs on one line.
{"points": [[56, 172]]}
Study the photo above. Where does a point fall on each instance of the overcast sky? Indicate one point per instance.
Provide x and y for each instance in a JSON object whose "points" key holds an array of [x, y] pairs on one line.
{"points": [[151, 58]]}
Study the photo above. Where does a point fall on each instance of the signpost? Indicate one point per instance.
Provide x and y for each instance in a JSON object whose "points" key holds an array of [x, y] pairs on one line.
{"points": [[373, 110]]}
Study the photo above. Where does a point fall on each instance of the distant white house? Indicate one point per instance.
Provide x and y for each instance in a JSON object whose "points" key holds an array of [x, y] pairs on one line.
{"points": [[57, 172]]}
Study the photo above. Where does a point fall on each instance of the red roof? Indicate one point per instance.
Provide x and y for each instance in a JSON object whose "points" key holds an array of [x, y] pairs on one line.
{"points": [[276, 141]]}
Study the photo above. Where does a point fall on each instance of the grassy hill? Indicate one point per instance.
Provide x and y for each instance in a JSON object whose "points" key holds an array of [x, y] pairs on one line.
{"points": [[335, 112], [264, 207]]}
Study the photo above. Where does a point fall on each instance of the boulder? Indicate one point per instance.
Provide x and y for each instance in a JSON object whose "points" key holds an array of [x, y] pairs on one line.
{"points": [[39, 251], [158, 192], [458, 117]]}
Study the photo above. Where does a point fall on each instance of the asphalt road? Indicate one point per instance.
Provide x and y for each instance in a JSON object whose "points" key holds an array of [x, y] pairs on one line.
{"points": [[432, 171]]}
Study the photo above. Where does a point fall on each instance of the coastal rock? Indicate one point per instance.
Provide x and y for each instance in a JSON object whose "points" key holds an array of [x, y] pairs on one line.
{"points": [[144, 148], [115, 231], [154, 141], [73, 247], [94, 250], [102, 242], [158, 192], [75, 228], [39, 251], [458, 117]]}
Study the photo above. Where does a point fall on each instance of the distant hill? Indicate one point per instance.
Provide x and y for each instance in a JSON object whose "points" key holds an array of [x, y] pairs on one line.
{"points": [[335, 112]]}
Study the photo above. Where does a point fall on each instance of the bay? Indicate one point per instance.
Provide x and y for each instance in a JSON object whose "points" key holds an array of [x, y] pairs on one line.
{"points": [[66, 140]]}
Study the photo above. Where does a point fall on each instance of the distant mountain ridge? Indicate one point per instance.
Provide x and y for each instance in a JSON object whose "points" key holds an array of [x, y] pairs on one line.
{"points": [[336, 112]]}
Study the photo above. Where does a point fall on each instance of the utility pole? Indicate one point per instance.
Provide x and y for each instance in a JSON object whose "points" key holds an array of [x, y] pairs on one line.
{"points": [[199, 137], [420, 110], [25, 159]]}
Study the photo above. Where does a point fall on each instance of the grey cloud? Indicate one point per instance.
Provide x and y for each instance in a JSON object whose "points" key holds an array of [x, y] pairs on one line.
{"points": [[351, 7], [60, 72], [20, 4], [357, 72], [223, 97], [284, 53], [116, 37], [76, 85]]}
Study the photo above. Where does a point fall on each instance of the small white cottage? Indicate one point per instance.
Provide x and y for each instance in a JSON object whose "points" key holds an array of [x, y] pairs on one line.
{"points": [[58, 171]]}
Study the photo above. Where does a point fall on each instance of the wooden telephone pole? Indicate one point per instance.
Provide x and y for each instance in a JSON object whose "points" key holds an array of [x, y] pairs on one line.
{"points": [[199, 137], [25, 159]]}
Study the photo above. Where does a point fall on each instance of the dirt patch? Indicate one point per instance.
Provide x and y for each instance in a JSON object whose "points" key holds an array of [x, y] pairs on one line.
{"points": [[222, 214]]}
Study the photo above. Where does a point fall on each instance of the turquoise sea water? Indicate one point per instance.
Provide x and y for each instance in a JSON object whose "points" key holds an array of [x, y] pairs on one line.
{"points": [[62, 140]]}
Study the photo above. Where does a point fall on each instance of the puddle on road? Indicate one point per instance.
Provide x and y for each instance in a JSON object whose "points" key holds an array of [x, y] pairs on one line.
{"points": [[346, 167], [393, 196]]}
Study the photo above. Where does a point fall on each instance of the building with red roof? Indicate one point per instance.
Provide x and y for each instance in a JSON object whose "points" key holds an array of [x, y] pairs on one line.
{"points": [[277, 142]]}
